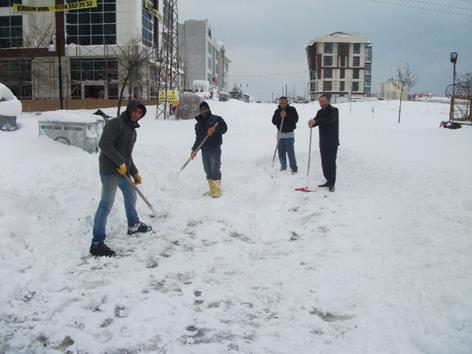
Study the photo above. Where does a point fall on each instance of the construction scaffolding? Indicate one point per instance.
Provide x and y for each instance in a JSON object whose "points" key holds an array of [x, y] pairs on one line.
{"points": [[167, 55], [461, 102]]}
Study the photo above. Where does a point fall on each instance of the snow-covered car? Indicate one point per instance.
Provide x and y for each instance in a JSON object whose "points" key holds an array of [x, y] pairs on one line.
{"points": [[10, 109]]}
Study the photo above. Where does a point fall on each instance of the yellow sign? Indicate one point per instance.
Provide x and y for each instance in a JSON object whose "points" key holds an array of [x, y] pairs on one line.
{"points": [[150, 7], [80, 5], [172, 96]]}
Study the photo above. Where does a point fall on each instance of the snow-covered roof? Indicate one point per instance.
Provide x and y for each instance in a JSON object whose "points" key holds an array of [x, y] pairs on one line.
{"points": [[341, 37], [69, 117]]}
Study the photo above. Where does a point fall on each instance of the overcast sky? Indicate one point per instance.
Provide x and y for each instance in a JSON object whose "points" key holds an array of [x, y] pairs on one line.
{"points": [[265, 37]]}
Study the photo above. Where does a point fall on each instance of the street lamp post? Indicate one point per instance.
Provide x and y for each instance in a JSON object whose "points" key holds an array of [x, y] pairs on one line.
{"points": [[57, 49], [453, 58]]}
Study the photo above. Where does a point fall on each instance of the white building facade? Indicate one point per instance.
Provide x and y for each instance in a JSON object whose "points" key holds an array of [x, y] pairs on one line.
{"points": [[203, 57]]}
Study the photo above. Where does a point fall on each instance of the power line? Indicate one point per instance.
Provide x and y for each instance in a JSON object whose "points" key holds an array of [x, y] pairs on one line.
{"points": [[441, 11], [447, 6]]}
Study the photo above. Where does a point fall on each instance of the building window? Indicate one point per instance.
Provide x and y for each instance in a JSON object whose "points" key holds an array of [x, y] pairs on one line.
{"points": [[357, 48], [76, 91], [327, 86], [342, 86], [355, 86], [328, 48], [113, 91], [94, 26], [93, 69], [357, 61], [343, 61], [342, 73], [16, 74], [328, 60], [9, 3], [11, 31], [328, 73], [148, 28], [355, 74]]}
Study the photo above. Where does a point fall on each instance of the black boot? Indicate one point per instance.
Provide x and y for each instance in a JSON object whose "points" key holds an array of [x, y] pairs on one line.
{"points": [[99, 249], [139, 227], [331, 189], [324, 185]]}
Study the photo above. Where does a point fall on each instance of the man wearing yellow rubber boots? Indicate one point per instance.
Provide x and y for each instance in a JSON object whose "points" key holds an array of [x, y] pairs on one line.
{"points": [[212, 128]]}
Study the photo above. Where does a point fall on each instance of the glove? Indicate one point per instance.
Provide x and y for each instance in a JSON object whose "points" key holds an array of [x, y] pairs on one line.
{"points": [[122, 169], [138, 180], [211, 131]]}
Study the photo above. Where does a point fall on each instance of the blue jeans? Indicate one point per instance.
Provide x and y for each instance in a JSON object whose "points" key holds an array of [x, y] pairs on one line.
{"points": [[109, 185], [212, 163], [286, 147]]}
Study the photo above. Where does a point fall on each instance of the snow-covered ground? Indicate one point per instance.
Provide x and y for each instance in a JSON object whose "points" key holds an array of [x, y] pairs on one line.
{"points": [[381, 266]]}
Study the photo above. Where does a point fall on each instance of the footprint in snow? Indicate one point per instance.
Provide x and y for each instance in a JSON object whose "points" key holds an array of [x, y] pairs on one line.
{"points": [[329, 317]]}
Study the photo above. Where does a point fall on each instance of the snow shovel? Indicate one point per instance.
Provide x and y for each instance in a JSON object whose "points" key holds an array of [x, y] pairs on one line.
{"points": [[277, 145], [306, 188], [135, 187], [198, 148]]}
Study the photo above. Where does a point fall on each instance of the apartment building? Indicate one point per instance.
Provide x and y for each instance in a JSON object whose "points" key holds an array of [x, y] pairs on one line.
{"points": [[340, 64]]}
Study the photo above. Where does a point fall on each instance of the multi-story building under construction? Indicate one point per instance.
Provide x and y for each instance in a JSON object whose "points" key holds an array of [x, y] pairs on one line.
{"points": [[98, 47]]}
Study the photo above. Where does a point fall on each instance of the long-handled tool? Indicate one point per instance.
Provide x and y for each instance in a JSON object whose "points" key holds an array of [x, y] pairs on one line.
{"points": [[135, 187], [277, 144], [306, 188], [198, 148]]}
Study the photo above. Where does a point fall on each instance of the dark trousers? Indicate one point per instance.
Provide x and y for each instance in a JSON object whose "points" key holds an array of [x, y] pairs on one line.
{"points": [[328, 162], [212, 163], [286, 148]]}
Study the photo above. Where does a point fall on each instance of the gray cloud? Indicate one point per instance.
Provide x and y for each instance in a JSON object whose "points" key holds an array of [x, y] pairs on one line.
{"points": [[264, 37]]}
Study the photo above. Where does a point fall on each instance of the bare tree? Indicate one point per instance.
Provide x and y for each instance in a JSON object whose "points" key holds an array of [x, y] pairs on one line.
{"points": [[132, 59], [36, 38], [404, 80]]}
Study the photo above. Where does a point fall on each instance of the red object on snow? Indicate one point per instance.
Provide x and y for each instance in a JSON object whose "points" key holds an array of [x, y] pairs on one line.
{"points": [[303, 189]]}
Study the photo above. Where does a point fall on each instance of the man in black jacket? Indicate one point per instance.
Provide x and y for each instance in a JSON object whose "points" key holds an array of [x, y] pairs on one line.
{"points": [[286, 135], [116, 162], [327, 119], [214, 127]]}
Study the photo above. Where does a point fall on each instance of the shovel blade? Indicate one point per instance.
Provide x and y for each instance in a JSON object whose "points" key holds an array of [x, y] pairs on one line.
{"points": [[303, 189]]}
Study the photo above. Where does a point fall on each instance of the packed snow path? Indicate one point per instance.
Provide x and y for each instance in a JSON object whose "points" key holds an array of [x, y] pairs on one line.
{"points": [[380, 266]]}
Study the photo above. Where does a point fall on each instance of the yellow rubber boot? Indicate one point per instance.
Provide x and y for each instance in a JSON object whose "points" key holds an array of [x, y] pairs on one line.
{"points": [[210, 189], [217, 193]]}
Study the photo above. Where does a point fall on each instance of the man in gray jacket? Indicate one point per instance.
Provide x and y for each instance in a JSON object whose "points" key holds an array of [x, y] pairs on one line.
{"points": [[116, 162]]}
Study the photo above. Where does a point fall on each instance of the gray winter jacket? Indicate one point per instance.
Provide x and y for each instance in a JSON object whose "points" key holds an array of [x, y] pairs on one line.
{"points": [[117, 142]]}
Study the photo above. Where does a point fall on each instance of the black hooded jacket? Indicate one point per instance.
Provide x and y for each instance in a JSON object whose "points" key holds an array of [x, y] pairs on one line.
{"points": [[117, 142], [201, 130], [328, 121], [290, 120]]}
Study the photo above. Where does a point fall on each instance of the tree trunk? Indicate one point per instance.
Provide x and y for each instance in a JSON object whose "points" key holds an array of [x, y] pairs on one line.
{"points": [[400, 108], [121, 92]]}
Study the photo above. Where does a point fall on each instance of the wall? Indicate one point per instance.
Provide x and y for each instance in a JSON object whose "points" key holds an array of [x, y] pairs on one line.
{"points": [[51, 105]]}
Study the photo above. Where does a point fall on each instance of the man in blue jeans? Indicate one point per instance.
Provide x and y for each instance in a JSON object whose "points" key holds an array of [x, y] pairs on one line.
{"points": [[116, 162], [213, 127], [286, 136]]}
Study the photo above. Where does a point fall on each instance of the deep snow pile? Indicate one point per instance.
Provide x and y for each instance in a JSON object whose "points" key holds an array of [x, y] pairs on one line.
{"points": [[380, 266], [9, 104]]}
